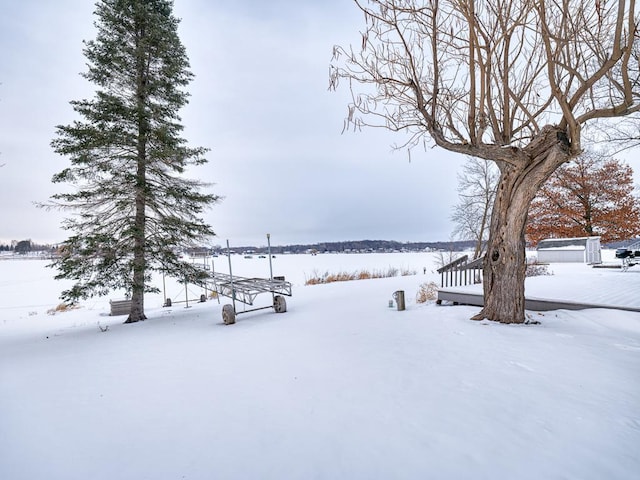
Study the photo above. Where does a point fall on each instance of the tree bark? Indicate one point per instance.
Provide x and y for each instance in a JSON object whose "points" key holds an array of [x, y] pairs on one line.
{"points": [[139, 265], [504, 265], [139, 261], [139, 235], [505, 260]]}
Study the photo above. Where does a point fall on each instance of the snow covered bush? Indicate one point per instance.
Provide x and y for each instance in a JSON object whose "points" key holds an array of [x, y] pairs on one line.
{"points": [[61, 307], [535, 269], [427, 292]]}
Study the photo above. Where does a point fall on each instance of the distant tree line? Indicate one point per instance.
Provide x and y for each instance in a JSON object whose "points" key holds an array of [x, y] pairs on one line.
{"points": [[25, 246], [358, 246]]}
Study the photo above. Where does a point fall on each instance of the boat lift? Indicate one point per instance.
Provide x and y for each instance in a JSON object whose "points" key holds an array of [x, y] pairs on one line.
{"points": [[629, 255], [245, 290]]}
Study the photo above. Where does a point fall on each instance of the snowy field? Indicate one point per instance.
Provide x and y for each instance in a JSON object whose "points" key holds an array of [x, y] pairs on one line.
{"points": [[339, 387]]}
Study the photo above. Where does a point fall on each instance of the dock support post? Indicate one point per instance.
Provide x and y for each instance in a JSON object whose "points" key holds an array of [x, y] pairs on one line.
{"points": [[233, 290], [273, 297]]}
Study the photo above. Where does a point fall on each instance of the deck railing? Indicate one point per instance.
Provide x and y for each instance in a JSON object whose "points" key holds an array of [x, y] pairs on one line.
{"points": [[461, 272]]}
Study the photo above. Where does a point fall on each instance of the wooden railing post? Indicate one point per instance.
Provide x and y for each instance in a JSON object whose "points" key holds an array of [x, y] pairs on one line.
{"points": [[460, 272]]}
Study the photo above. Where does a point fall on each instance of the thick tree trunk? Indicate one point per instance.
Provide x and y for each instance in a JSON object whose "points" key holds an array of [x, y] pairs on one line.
{"points": [[504, 265], [139, 262], [505, 260], [139, 266], [139, 235]]}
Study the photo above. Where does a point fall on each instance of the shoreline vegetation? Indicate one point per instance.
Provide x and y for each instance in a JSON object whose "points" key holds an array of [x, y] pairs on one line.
{"points": [[317, 278]]}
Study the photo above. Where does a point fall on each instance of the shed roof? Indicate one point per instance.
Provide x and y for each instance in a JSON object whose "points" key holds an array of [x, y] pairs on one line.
{"points": [[565, 243]]}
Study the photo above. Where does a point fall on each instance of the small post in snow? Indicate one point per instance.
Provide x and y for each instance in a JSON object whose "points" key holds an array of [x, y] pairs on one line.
{"points": [[233, 290], [273, 295]]}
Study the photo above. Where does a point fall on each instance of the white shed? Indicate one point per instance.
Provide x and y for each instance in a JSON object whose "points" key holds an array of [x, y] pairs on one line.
{"points": [[567, 250]]}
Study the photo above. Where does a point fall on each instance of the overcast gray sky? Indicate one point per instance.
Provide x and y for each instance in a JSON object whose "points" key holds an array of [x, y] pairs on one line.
{"points": [[259, 101]]}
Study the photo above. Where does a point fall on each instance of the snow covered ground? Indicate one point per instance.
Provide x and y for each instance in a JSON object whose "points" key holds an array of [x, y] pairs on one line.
{"points": [[339, 387]]}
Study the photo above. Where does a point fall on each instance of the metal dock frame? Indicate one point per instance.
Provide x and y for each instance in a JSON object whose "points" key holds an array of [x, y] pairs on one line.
{"points": [[245, 290]]}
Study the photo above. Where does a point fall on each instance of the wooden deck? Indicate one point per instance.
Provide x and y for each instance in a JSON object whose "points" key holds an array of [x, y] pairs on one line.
{"points": [[462, 297]]}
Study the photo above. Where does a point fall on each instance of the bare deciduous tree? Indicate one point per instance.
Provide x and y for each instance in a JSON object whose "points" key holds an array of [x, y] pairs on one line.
{"points": [[514, 82], [477, 190]]}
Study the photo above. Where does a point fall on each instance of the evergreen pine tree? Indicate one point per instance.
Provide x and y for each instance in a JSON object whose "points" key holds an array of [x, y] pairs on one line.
{"points": [[132, 209]]}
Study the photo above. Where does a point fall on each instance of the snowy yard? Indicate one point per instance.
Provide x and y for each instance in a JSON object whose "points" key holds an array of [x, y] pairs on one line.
{"points": [[339, 387]]}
